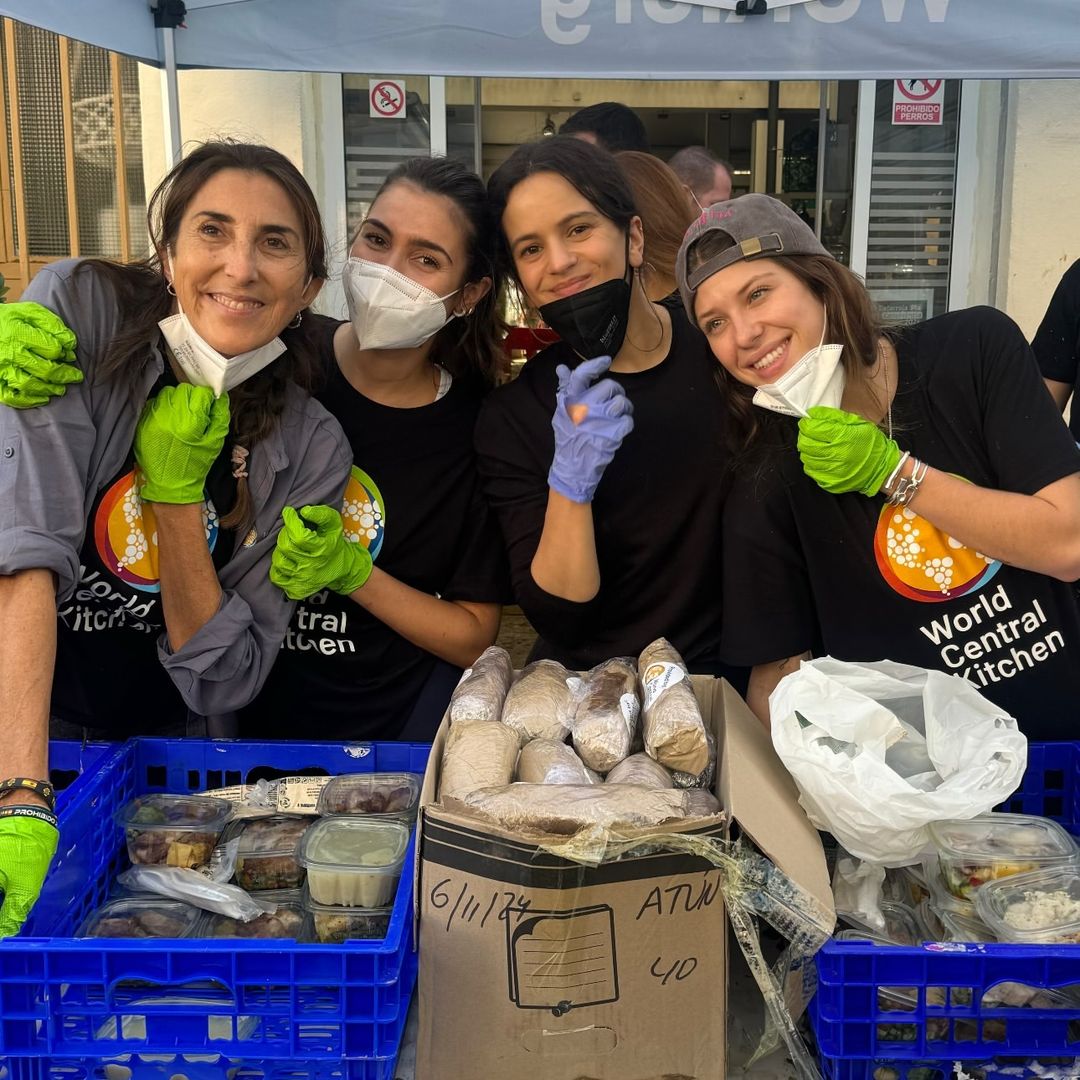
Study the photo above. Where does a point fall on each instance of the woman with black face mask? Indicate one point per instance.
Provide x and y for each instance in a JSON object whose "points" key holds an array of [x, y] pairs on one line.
{"points": [[603, 459]]}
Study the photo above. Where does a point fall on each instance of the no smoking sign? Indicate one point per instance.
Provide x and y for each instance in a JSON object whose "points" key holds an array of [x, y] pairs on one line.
{"points": [[386, 99], [918, 101]]}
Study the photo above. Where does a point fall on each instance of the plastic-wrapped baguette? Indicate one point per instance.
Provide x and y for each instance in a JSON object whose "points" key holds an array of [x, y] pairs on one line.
{"points": [[606, 715], [538, 705], [673, 729], [482, 690], [478, 754], [564, 809], [548, 761]]}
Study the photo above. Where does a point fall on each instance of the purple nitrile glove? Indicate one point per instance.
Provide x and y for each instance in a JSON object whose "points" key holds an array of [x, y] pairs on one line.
{"points": [[590, 422]]}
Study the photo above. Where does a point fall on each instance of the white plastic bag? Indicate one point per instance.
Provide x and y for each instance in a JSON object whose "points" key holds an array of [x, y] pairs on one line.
{"points": [[879, 750]]}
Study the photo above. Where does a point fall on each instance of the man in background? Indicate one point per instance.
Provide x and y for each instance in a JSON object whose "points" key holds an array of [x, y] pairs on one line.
{"points": [[704, 176], [608, 124]]}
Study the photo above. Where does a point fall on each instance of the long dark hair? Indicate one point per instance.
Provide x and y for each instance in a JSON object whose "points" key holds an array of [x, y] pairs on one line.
{"points": [[470, 345], [140, 288], [590, 169], [852, 319]]}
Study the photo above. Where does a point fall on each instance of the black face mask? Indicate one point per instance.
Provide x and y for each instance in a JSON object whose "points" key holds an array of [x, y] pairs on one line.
{"points": [[593, 321]]}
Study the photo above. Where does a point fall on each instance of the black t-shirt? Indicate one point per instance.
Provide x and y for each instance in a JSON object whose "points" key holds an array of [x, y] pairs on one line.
{"points": [[859, 580], [116, 613], [656, 513], [414, 499], [1057, 341]]}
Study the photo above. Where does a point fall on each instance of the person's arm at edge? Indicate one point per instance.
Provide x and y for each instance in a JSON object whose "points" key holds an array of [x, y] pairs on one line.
{"points": [[27, 659], [1059, 391], [763, 680], [456, 631], [190, 592], [565, 563]]}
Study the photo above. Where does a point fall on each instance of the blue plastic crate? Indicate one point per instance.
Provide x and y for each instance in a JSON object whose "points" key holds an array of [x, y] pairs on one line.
{"points": [[1051, 785], [994, 1069], [72, 764], [217, 1066], [871, 1010], [250, 1000]]}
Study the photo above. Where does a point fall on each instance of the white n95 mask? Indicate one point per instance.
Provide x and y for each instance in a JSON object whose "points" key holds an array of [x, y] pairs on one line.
{"points": [[816, 379], [204, 365], [389, 310]]}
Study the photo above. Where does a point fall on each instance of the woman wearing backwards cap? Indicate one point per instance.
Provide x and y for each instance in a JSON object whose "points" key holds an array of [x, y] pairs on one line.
{"points": [[919, 501]]}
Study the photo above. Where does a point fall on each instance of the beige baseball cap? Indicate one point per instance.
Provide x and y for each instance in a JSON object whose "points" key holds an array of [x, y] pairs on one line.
{"points": [[759, 226]]}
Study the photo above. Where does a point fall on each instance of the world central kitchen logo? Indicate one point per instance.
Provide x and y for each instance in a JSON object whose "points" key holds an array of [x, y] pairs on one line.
{"points": [[562, 19]]}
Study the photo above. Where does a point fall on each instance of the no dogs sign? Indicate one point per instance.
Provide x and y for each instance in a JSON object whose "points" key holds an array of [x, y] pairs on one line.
{"points": [[918, 101], [386, 99]]}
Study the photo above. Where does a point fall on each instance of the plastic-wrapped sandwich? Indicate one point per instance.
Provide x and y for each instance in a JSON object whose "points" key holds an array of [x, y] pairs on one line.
{"points": [[539, 704], [547, 761], [564, 809], [482, 690], [477, 754], [606, 714], [673, 729]]}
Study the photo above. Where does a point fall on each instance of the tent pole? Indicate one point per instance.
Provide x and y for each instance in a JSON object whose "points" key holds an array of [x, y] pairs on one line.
{"points": [[170, 96], [822, 139]]}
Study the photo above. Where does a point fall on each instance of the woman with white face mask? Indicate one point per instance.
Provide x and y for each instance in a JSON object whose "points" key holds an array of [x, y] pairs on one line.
{"points": [[401, 587], [140, 505], [919, 502]]}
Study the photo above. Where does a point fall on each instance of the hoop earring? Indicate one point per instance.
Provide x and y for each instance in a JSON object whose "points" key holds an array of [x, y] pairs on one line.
{"points": [[296, 321], [169, 288]]}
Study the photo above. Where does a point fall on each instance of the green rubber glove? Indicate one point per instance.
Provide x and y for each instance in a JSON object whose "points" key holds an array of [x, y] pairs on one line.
{"points": [[36, 350], [27, 846], [180, 434], [843, 452], [313, 553]]}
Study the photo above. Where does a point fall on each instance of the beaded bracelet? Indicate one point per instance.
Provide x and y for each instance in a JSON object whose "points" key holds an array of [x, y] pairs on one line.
{"points": [[38, 787], [36, 812]]}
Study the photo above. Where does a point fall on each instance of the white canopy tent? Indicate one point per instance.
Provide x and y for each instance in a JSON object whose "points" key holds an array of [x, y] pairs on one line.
{"points": [[639, 39]]}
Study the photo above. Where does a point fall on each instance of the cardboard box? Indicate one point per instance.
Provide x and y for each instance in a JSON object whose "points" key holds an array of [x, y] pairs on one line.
{"points": [[536, 968]]}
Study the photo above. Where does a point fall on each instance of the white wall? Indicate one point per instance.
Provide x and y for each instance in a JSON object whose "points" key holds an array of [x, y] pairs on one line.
{"points": [[298, 114], [1040, 235]]}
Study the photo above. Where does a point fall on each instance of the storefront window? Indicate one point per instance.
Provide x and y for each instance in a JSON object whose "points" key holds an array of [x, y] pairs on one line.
{"points": [[375, 144], [912, 193]]}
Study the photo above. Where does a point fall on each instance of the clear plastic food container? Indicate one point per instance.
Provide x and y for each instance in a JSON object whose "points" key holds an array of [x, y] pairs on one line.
{"points": [[266, 858], [1040, 907], [139, 917], [332, 924], [353, 861], [957, 927], [901, 925], [287, 923], [992, 846], [172, 830], [929, 921], [941, 900], [371, 793]]}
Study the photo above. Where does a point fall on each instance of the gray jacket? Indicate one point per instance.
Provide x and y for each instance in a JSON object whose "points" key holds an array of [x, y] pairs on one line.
{"points": [[54, 461]]}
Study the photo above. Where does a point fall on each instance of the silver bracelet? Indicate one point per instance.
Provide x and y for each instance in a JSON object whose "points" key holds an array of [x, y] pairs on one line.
{"points": [[907, 486], [896, 472]]}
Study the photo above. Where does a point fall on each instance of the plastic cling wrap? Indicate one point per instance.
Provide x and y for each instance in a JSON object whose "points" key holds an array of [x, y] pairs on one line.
{"points": [[671, 718], [478, 754], [641, 771], [547, 761], [482, 690], [538, 705], [565, 809], [606, 714]]}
